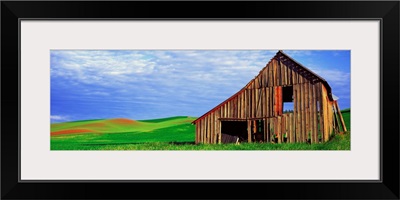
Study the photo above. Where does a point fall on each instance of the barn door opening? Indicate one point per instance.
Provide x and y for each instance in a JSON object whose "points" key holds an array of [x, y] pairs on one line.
{"points": [[233, 131]]}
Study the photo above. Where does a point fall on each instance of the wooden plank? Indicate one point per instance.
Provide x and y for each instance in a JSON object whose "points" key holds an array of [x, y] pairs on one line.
{"points": [[238, 100], [279, 129], [249, 131], [264, 103], [307, 111], [311, 109], [217, 128], [283, 129], [245, 103], [284, 69], [281, 74], [309, 117], [269, 101], [291, 128], [329, 110], [304, 104], [321, 113], [336, 117], [276, 100], [296, 113], [332, 117], [341, 117], [315, 114], [229, 108], [275, 73], [233, 108], [248, 103], [205, 130], [324, 120], [251, 103], [209, 134], [220, 133], [255, 97], [293, 74], [278, 74], [289, 77], [213, 128], [280, 100], [301, 113], [271, 75], [304, 115], [201, 130], [237, 106], [208, 129], [241, 105], [327, 116]]}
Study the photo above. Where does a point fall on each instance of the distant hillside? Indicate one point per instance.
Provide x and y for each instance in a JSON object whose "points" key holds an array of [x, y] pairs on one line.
{"points": [[345, 110], [116, 125]]}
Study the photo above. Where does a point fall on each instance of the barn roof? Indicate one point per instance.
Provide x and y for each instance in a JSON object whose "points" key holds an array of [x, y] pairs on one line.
{"points": [[288, 61]]}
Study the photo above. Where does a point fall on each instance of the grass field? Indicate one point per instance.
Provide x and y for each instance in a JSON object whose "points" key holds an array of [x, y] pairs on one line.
{"points": [[174, 133]]}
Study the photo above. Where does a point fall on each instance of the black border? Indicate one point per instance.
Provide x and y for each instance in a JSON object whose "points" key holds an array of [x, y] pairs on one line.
{"points": [[386, 11]]}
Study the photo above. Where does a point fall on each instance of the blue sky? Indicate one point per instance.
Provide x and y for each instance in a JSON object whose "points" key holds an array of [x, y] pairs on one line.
{"points": [[89, 84]]}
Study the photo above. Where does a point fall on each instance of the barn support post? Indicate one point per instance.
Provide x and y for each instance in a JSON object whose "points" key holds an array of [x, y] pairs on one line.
{"points": [[336, 114], [249, 131], [341, 117]]}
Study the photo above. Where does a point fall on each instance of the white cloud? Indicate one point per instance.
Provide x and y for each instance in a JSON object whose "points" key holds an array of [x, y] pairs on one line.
{"points": [[333, 76], [59, 118]]}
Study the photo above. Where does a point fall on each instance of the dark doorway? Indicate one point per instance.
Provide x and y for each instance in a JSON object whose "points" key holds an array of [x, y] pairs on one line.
{"points": [[237, 129]]}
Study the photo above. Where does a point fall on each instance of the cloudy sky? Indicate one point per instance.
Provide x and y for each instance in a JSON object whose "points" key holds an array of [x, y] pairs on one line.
{"points": [[156, 83]]}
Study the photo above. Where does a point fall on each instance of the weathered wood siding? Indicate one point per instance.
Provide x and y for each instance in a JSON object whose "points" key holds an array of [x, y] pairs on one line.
{"points": [[313, 119]]}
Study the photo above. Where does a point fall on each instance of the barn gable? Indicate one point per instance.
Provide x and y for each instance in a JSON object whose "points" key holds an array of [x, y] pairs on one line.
{"points": [[258, 106]]}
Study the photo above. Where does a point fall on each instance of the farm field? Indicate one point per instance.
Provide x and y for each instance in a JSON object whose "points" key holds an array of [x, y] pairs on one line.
{"points": [[174, 133]]}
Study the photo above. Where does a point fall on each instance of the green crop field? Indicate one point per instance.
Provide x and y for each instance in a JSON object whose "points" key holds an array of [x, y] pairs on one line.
{"points": [[174, 133]]}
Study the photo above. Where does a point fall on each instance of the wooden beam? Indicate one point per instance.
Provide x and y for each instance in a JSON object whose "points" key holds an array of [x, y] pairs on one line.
{"points": [[249, 131], [341, 117]]}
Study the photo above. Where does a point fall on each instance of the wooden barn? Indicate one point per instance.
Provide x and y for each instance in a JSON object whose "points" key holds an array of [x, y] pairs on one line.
{"points": [[255, 113]]}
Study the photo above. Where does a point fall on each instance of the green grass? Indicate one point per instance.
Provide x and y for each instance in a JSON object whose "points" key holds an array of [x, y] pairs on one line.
{"points": [[339, 142], [174, 133]]}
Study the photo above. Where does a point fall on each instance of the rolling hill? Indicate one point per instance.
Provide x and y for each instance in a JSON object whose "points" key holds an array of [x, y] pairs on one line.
{"points": [[121, 131]]}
